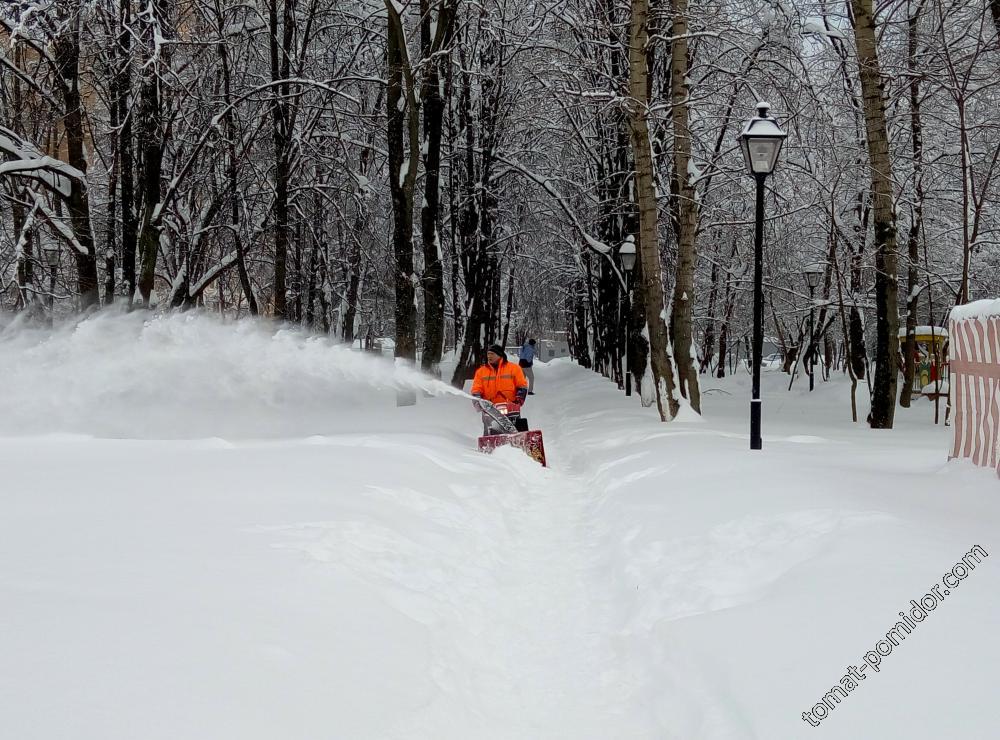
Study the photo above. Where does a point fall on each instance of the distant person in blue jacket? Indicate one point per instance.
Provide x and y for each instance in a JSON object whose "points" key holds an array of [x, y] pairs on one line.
{"points": [[526, 358]]}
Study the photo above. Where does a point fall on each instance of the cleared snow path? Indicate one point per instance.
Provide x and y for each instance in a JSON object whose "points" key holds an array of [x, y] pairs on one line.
{"points": [[522, 629], [532, 655]]}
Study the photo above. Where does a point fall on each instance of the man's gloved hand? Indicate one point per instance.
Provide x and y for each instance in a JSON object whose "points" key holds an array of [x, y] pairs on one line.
{"points": [[521, 395], [476, 404]]}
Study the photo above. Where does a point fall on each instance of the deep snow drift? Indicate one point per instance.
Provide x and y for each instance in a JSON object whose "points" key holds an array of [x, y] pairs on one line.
{"points": [[216, 531]]}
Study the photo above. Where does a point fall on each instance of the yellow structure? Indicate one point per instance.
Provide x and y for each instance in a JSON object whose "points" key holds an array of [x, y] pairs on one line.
{"points": [[931, 374]]}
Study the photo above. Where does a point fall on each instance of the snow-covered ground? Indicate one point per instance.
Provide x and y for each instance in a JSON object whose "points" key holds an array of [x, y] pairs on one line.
{"points": [[213, 531]]}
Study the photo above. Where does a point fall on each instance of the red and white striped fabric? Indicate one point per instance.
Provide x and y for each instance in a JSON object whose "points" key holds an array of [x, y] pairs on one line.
{"points": [[975, 382]]}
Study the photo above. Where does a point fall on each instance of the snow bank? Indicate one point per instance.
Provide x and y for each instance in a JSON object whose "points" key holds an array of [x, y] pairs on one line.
{"points": [[745, 583]]}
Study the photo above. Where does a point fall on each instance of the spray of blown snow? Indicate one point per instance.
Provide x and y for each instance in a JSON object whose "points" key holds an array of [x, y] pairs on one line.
{"points": [[192, 375]]}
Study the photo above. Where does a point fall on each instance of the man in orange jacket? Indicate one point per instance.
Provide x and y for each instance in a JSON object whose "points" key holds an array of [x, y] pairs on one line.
{"points": [[499, 381]]}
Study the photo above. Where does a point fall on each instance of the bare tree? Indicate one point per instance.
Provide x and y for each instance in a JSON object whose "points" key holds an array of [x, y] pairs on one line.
{"points": [[884, 222], [404, 147], [649, 252], [435, 39], [686, 210]]}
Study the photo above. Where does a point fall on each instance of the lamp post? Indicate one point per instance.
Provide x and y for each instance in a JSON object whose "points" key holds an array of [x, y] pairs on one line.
{"points": [[812, 274], [760, 141], [52, 259], [627, 254], [109, 280]]}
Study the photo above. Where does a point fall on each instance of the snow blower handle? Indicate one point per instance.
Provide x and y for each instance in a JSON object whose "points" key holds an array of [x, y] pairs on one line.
{"points": [[497, 416]]}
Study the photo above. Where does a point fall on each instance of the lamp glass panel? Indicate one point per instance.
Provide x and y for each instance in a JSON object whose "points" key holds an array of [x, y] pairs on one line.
{"points": [[763, 152], [627, 254]]}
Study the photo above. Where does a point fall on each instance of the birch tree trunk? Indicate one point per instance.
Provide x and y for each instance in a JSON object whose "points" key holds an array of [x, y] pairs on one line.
{"points": [[886, 312], [651, 285], [681, 334]]}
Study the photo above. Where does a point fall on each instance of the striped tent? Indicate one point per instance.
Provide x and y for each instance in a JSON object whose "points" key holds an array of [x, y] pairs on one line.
{"points": [[975, 381]]}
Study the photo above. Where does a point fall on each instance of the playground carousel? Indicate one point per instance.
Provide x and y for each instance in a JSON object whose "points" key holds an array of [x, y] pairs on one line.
{"points": [[931, 372]]}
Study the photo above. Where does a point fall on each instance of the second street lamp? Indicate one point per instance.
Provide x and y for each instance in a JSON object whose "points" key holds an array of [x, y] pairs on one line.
{"points": [[760, 141], [52, 259], [812, 274], [626, 252]]}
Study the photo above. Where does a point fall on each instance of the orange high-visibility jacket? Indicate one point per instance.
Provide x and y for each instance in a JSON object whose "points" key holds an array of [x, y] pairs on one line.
{"points": [[498, 384]]}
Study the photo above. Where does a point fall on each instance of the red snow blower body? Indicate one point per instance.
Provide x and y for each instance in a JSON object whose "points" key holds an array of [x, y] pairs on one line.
{"points": [[504, 425]]}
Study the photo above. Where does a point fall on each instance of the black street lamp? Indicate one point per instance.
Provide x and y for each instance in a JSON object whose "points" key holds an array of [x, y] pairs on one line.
{"points": [[760, 141], [627, 254], [52, 259], [812, 274]]}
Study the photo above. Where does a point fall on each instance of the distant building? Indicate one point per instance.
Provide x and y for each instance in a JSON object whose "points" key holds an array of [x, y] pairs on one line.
{"points": [[545, 349], [553, 347]]}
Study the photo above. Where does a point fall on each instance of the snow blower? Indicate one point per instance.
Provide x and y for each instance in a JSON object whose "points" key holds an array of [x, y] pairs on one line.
{"points": [[504, 425]]}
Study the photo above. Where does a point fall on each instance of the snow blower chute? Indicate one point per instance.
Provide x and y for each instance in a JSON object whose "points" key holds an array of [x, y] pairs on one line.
{"points": [[504, 425]]}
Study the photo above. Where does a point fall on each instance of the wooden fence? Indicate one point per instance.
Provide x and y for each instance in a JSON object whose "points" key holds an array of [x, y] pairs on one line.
{"points": [[975, 382]]}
